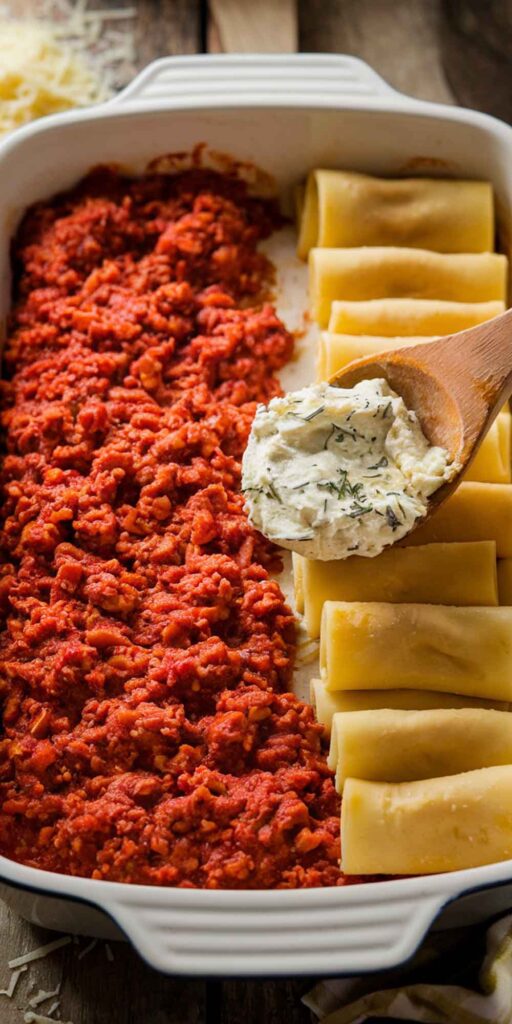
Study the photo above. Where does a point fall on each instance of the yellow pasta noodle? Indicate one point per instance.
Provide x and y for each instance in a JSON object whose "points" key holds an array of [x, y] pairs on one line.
{"points": [[476, 511], [390, 745], [327, 703], [505, 581], [298, 583], [344, 208], [463, 574], [335, 351], [418, 646], [413, 828], [492, 460], [393, 317], [380, 272]]}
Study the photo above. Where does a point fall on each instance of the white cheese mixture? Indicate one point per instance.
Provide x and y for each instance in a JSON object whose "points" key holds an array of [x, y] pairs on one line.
{"points": [[330, 472]]}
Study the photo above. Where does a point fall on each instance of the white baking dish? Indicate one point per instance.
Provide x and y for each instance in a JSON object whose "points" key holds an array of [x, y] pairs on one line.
{"points": [[286, 114]]}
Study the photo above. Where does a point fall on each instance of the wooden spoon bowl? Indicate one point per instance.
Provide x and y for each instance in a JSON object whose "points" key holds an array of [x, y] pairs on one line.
{"points": [[456, 385]]}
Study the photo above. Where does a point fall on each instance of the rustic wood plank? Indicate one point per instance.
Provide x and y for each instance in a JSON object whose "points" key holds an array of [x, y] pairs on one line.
{"points": [[476, 50], [274, 1002], [167, 27], [399, 38], [243, 26]]}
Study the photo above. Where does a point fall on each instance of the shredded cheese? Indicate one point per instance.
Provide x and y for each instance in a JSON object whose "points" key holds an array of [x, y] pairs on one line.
{"points": [[35, 1018], [15, 977], [39, 76], [42, 996], [40, 952], [69, 57], [87, 949]]}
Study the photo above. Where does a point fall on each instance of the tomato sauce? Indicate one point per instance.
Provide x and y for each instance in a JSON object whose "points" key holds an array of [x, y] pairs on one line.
{"points": [[146, 651]]}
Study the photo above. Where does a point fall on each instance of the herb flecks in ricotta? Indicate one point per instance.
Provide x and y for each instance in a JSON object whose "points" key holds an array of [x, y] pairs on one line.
{"points": [[332, 472]]}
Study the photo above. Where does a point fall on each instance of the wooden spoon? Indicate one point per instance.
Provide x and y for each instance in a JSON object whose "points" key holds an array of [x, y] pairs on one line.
{"points": [[456, 385]]}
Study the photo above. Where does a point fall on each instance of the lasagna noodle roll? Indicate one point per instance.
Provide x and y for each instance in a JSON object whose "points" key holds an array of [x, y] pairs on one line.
{"points": [[460, 574], [475, 511], [492, 460], [505, 581], [345, 208], [335, 351], [383, 272], [328, 703], [298, 583], [393, 317], [388, 745], [419, 646], [413, 828]]}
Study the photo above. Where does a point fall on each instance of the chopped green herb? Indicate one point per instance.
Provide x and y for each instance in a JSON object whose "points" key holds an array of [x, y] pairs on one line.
{"points": [[329, 435], [359, 510], [272, 493], [392, 519], [380, 464], [311, 415]]}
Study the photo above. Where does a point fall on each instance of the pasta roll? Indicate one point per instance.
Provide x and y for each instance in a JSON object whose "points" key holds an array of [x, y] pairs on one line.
{"points": [[381, 272], [415, 828], [492, 460], [461, 574], [505, 581], [388, 745], [335, 351], [475, 511], [344, 208], [298, 583], [328, 703], [393, 317], [421, 646]]}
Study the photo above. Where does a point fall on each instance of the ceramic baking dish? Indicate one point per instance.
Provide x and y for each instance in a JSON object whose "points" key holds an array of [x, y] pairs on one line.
{"points": [[287, 115]]}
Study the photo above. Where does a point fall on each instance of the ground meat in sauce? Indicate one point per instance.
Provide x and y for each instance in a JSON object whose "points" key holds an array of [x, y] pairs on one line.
{"points": [[146, 652]]}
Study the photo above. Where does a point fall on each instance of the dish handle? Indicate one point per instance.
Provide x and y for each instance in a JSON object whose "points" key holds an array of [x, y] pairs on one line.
{"points": [[208, 80], [321, 932]]}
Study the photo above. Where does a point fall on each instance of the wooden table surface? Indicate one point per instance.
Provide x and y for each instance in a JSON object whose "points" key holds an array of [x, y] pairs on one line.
{"points": [[445, 50]]}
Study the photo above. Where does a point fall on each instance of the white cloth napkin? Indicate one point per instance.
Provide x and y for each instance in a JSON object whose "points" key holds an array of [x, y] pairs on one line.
{"points": [[489, 1002]]}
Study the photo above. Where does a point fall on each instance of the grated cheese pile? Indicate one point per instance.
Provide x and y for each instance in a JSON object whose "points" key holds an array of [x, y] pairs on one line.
{"points": [[39, 76], [72, 58]]}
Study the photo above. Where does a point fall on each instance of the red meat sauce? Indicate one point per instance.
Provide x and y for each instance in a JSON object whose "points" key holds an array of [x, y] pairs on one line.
{"points": [[146, 652]]}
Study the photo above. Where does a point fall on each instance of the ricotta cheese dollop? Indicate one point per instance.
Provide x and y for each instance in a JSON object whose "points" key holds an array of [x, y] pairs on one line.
{"points": [[331, 472]]}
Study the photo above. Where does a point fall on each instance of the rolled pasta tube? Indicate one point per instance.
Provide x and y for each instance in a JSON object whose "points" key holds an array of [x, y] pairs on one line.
{"points": [[393, 317], [327, 703], [298, 584], [492, 460], [475, 511], [345, 208], [335, 351], [389, 745], [384, 272], [418, 646], [505, 581], [454, 574], [299, 195], [414, 828]]}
